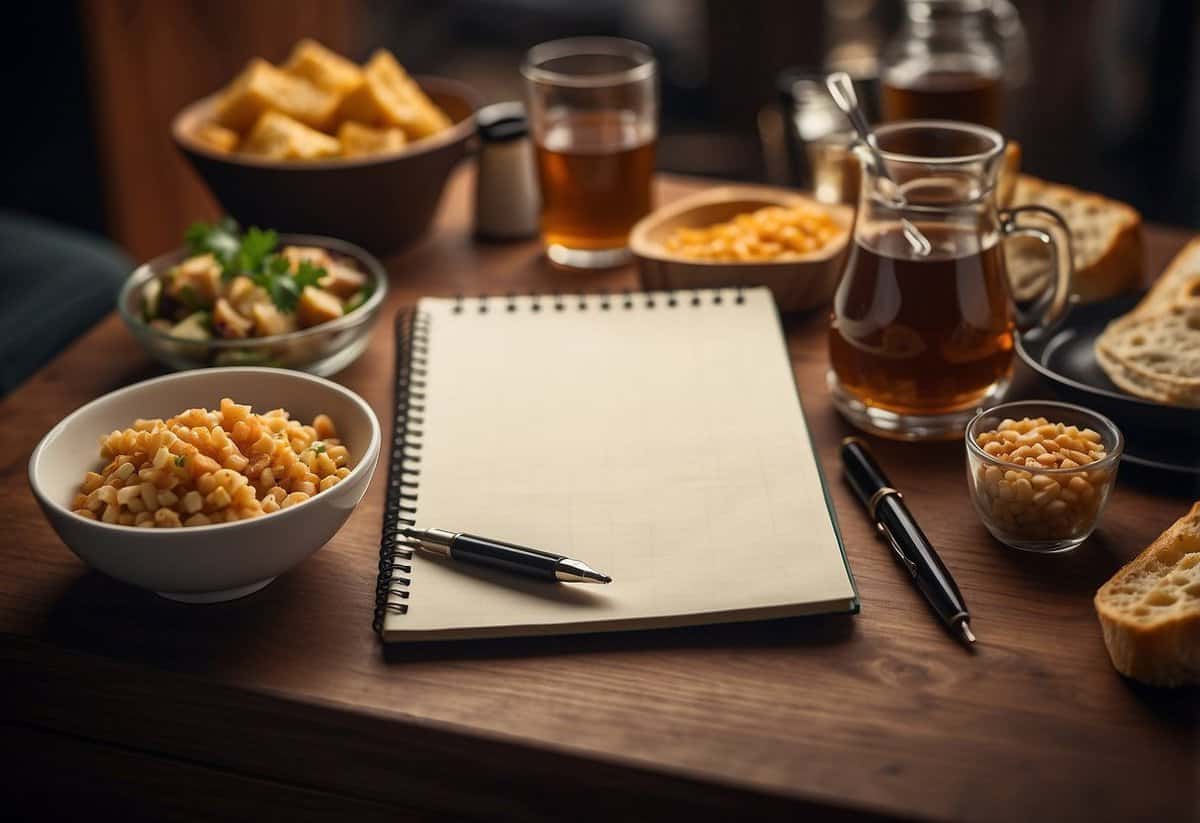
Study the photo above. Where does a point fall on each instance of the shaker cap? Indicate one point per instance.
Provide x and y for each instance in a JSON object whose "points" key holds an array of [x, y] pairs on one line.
{"points": [[501, 122]]}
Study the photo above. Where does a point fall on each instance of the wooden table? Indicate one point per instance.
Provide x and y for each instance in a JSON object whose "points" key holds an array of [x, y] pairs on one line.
{"points": [[287, 700]]}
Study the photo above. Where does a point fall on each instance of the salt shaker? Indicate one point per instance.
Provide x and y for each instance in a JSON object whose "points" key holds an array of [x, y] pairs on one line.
{"points": [[506, 192]]}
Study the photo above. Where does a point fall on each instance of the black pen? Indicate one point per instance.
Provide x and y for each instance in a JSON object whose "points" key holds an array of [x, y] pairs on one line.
{"points": [[897, 525], [510, 557]]}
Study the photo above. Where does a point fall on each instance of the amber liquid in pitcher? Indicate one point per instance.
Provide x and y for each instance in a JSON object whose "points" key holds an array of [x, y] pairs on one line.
{"points": [[943, 95], [924, 335], [594, 170]]}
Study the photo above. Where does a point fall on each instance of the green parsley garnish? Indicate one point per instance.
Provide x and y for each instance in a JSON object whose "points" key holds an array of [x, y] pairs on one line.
{"points": [[318, 447], [253, 254], [284, 287], [180, 461], [220, 240]]}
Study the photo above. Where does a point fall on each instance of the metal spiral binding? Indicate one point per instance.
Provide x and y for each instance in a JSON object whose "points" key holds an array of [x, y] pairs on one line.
{"points": [[624, 299], [412, 359], [404, 465]]}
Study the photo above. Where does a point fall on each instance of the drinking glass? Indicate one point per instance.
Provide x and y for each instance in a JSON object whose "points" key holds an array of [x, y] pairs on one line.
{"points": [[921, 335], [593, 113]]}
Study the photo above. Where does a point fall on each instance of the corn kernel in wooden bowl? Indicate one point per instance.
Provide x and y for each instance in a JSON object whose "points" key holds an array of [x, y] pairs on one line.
{"points": [[203, 467], [767, 234], [1039, 484]]}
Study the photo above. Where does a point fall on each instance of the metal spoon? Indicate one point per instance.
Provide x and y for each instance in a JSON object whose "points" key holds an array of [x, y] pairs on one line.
{"points": [[841, 88]]}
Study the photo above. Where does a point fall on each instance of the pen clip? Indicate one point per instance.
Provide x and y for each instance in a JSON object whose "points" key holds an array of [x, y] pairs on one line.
{"points": [[887, 535]]}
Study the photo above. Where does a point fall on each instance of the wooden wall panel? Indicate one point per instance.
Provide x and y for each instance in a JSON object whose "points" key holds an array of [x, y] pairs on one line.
{"points": [[148, 59]]}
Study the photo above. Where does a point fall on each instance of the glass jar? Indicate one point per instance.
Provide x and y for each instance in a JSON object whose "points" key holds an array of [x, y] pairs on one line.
{"points": [[945, 63], [819, 138]]}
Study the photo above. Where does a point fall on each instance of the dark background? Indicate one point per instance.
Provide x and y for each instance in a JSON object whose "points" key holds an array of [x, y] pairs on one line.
{"points": [[1112, 102]]}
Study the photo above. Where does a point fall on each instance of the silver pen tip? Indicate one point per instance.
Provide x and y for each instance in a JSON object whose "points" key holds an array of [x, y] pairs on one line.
{"points": [[966, 631], [576, 571]]}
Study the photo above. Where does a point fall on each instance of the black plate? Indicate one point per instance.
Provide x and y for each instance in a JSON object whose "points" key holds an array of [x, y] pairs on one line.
{"points": [[1156, 435]]}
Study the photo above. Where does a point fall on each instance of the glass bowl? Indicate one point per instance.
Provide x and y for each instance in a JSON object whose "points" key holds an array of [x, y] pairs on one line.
{"points": [[321, 350], [1037, 508]]}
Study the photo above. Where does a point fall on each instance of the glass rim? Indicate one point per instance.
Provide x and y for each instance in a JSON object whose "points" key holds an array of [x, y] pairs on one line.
{"points": [[957, 126], [644, 68], [1103, 422]]}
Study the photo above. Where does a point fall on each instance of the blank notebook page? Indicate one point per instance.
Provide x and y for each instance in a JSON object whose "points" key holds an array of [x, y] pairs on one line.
{"points": [[662, 445]]}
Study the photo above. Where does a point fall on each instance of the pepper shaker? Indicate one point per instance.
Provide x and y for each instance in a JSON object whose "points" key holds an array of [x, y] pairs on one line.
{"points": [[506, 194]]}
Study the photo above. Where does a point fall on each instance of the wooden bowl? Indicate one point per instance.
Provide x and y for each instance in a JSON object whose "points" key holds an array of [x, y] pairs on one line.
{"points": [[382, 202], [797, 284]]}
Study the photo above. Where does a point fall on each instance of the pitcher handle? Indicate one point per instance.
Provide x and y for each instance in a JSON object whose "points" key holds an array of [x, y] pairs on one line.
{"points": [[1049, 309]]}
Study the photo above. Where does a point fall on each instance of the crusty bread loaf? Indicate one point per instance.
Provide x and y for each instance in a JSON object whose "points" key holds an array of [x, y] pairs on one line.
{"points": [[1150, 610], [1154, 351], [1106, 241]]}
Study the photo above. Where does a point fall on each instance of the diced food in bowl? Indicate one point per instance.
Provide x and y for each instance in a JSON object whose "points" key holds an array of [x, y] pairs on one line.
{"points": [[203, 467], [320, 105], [767, 234], [238, 286]]}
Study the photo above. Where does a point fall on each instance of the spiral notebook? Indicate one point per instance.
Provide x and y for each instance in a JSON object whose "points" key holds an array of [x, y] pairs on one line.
{"points": [[657, 437]]}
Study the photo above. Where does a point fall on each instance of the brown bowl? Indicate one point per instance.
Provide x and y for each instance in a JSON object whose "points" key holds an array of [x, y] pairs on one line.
{"points": [[382, 202], [797, 284]]}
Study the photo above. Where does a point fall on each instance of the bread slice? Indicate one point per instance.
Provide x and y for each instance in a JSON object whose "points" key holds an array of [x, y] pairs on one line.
{"points": [[1155, 355], [1154, 351], [1150, 610], [1179, 284], [1106, 241], [1138, 382]]}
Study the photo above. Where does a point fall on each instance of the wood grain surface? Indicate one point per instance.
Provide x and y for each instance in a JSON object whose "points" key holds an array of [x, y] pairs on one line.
{"points": [[876, 714]]}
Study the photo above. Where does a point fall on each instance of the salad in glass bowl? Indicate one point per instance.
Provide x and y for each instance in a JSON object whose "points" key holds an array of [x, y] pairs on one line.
{"points": [[258, 298]]}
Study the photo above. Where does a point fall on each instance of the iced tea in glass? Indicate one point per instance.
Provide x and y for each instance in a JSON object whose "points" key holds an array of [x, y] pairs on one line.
{"points": [[593, 111]]}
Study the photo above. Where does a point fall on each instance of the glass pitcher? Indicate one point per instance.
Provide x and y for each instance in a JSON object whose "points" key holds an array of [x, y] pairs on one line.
{"points": [[921, 335]]}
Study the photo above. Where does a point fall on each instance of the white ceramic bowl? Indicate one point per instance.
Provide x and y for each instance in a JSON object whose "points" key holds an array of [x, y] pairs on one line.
{"points": [[203, 564]]}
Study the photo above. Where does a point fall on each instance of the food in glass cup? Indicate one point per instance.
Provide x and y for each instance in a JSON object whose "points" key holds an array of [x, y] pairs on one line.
{"points": [[1040, 473], [593, 111]]}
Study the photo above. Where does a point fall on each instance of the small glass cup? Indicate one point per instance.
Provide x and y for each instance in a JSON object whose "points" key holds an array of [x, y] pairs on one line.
{"points": [[593, 114], [1035, 509]]}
